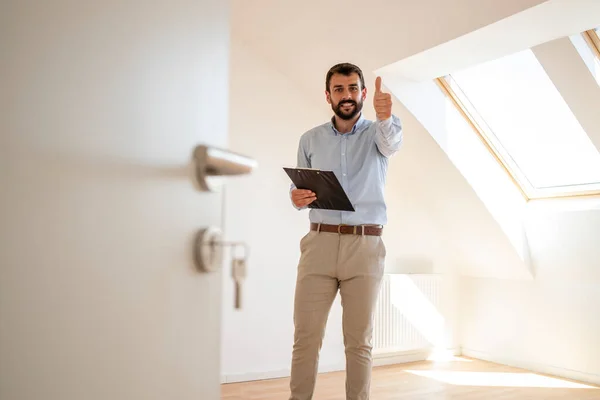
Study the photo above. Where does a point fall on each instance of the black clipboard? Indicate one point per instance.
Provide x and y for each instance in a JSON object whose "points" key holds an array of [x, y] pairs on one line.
{"points": [[329, 191]]}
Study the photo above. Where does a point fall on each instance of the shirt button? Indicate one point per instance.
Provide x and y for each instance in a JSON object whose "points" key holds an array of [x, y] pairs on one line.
{"points": [[343, 154], [344, 174]]}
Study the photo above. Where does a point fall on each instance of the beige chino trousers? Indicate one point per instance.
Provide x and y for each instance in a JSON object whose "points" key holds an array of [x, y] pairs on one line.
{"points": [[352, 264]]}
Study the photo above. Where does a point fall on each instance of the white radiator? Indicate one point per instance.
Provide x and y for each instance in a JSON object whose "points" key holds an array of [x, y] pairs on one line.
{"points": [[407, 315]]}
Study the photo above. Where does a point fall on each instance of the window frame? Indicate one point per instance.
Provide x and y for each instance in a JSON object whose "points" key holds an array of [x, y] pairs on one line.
{"points": [[593, 40], [527, 190]]}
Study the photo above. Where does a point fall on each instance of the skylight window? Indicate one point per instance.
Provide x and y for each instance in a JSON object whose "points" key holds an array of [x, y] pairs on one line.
{"points": [[516, 109]]}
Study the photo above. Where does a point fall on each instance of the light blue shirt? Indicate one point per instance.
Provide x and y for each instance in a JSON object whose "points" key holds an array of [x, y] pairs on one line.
{"points": [[359, 159]]}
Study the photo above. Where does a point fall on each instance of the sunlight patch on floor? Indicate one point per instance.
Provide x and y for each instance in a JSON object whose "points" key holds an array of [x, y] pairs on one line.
{"points": [[499, 379]]}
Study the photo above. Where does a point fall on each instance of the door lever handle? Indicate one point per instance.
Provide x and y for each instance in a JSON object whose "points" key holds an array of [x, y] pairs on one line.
{"points": [[211, 165]]}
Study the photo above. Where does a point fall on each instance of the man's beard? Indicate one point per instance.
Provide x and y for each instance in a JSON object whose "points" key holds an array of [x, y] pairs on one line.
{"points": [[344, 114]]}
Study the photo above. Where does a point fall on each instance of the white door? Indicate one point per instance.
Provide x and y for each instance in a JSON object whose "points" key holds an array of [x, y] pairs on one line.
{"points": [[102, 105]]}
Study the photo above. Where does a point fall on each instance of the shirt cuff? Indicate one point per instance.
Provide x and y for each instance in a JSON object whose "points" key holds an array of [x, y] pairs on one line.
{"points": [[388, 122], [389, 126]]}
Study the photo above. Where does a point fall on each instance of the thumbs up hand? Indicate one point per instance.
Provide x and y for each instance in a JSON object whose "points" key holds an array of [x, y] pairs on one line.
{"points": [[382, 102]]}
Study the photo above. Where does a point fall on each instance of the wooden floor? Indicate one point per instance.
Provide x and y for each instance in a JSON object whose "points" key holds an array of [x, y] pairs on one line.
{"points": [[461, 378]]}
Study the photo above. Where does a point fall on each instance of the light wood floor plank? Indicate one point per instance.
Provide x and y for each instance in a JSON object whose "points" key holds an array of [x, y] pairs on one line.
{"points": [[463, 378]]}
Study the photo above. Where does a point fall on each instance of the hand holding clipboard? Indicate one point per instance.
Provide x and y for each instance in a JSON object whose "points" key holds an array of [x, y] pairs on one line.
{"points": [[329, 192]]}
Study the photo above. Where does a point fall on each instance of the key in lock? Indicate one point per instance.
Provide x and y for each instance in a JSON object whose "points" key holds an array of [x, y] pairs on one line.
{"points": [[207, 254], [238, 273]]}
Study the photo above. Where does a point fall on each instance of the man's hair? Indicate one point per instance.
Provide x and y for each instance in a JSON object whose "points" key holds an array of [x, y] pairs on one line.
{"points": [[344, 69]]}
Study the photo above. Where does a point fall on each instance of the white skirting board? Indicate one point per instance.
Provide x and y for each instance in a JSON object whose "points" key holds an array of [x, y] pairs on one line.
{"points": [[378, 360], [413, 356], [583, 377]]}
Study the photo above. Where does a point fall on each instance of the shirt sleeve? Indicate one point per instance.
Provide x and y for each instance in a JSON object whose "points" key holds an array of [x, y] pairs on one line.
{"points": [[303, 161], [388, 135]]}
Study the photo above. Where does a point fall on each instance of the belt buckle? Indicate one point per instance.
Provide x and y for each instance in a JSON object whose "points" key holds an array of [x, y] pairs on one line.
{"points": [[339, 229]]}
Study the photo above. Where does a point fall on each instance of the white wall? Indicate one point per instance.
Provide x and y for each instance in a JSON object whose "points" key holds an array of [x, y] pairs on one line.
{"points": [[102, 105], [267, 116], [269, 112], [550, 325]]}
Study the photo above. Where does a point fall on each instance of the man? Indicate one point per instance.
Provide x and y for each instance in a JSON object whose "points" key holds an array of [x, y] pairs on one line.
{"points": [[343, 250]]}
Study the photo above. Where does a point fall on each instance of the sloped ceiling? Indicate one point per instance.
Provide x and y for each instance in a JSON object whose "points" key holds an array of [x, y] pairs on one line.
{"points": [[303, 39]]}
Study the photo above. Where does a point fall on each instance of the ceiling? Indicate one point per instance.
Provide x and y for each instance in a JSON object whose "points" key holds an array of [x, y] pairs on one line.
{"points": [[303, 39]]}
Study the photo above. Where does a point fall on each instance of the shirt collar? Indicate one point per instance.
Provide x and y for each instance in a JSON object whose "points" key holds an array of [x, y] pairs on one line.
{"points": [[355, 128]]}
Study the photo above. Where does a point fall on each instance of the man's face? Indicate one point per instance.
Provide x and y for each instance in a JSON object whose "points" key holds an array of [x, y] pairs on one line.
{"points": [[346, 95]]}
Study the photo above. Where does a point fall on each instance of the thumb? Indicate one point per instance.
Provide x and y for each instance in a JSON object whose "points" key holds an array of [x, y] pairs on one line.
{"points": [[378, 85]]}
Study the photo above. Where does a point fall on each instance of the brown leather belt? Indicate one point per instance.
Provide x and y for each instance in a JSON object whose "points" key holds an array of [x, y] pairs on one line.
{"points": [[371, 230]]}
